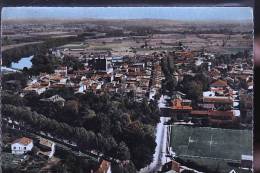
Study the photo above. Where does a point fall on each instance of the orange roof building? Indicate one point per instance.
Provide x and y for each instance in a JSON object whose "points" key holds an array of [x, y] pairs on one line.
{"points": [[219, 83], [23, 141], [218, 99], [213, 114], [180, 104], [104, 167]]}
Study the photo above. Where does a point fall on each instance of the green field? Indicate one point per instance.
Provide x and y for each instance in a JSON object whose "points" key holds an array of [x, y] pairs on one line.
{"points": [[210, 147]]}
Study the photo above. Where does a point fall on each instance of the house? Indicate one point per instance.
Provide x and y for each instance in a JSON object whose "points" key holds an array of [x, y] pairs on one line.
{"points": [[57, 78], [219, 83], [171, 167], [218, 101], [37, 88], [208, 94], [63, 71], [207, 106], [214, 114], [55, 99], [178, 94], [214, 74], [21, 145], [47, 148], [104, 167], [117, 59], [181, 104]]}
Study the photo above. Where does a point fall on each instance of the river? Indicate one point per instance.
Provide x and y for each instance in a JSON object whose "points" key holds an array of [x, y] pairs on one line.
{"points": [[23, 62]]}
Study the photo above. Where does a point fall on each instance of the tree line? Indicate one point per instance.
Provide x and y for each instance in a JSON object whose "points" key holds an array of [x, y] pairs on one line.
{"points": [[168, 69], [115, 125], [86, 140], [16, 53]]}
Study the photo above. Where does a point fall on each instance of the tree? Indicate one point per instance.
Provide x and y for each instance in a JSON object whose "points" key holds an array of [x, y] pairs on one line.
{"points": [[32, 99], [73, 62], [70, 110], [171, 65], [12, 99], [109, 123], [87, 113], [141, 156], [169, 84], [85, 139], [123, 152], [104, 124], [14, 81], [42, 63], [204, 79], [194, 90], [124, 168]]}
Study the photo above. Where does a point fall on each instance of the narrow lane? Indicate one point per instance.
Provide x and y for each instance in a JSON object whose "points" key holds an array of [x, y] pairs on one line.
{"points": [[161, 140]]}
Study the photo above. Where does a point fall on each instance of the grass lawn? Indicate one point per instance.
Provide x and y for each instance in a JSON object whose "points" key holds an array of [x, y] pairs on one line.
{"points": [[212, 147]]}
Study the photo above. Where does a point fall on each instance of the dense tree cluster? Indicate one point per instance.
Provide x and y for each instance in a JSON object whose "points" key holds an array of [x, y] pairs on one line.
{"points": [[231, 59], [12, 99], [126, 168], [40, 122], [14, 81], [168, 68], [47, 63], [115, 125], [42, 63], [73, 63], [73, 164], [194, 86]]}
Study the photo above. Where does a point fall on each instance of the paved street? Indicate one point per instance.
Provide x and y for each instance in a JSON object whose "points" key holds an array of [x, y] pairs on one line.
{"points": [[161, 138]]}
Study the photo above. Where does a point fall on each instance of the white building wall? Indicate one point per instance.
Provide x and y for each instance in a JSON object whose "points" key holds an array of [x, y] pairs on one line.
{"points": [[52, 150], [21, 149]]}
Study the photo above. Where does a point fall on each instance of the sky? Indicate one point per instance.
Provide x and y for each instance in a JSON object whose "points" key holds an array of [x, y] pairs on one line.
{"points": [[172, 13]]}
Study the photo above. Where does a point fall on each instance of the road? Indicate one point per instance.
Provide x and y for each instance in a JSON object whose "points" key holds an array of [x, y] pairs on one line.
{"points": [[161, 139]]}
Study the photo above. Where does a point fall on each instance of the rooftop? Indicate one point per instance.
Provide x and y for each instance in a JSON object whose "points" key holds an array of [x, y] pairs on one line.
{"points": [[212, 113], [46, 142], [217, 99], [23, 141], [219, 83], [103, 168]]}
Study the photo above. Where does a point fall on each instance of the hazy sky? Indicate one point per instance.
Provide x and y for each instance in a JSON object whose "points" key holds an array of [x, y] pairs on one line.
{"points": [[175, 13]]}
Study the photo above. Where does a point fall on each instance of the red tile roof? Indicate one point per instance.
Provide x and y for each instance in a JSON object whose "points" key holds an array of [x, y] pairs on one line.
{"points": [[219, 83], [23, 141], [177, 104], [217, 100], [213, 113], [103, 168]]}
